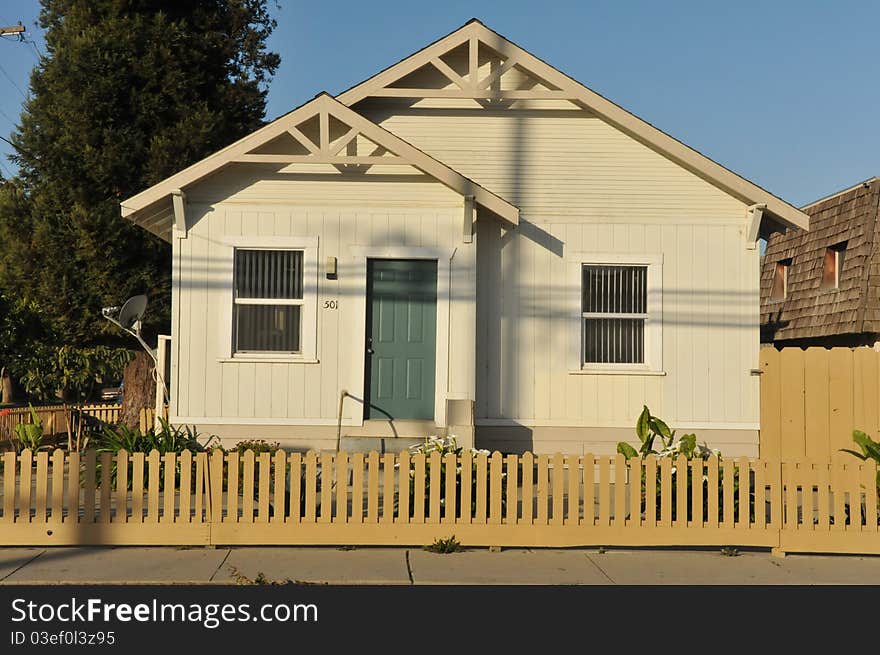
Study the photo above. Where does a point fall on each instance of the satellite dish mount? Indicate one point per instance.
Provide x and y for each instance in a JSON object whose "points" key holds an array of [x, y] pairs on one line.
{"points": [[129, 317]]}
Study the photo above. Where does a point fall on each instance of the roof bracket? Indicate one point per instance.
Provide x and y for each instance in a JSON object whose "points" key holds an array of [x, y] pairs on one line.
{"points": [[178, 199], [468, 220], [753, 225]]}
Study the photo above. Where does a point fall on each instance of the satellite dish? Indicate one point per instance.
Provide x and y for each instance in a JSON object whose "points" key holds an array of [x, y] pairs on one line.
{"points": [[132, 311]]}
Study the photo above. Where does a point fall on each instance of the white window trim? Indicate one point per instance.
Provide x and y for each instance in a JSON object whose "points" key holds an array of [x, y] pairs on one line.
{"points": [[653, 364], [309, 302]]}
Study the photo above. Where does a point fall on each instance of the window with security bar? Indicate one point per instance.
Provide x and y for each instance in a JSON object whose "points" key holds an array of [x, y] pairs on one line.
{"points": [[614, 314], [268, 301]]}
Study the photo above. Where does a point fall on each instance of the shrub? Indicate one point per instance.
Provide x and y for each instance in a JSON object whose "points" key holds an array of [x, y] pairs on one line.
{"points": [[870, 450], [652, 430], [29, 435], [167, 439], [445, 446], [444, 546]]}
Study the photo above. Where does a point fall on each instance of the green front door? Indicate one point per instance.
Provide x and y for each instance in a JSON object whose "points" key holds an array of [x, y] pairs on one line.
{"points": [[401, 338]]}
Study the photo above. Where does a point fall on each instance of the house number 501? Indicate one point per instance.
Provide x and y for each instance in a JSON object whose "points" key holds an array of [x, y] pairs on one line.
{"points": [[331, 304]]}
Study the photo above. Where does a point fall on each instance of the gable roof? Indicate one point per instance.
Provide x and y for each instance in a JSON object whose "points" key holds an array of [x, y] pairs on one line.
{"points": [[562, 87], [151, 207], [807, 311]]}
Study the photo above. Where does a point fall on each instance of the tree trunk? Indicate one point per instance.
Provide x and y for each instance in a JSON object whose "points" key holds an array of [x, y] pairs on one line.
{"points": [[138, 391], [7, 389]]}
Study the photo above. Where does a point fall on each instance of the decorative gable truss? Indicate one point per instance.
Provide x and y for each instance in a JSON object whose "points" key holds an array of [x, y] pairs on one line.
{"points": [[325, 132], [471, 63], [476, 63]]}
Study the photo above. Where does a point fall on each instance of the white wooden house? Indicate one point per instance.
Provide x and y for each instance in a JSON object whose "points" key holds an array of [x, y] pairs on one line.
{"points": [[469, 242]]}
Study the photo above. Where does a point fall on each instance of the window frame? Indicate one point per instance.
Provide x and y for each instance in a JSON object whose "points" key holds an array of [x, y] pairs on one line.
{"points": [[839, 253], [786, 267], [309, 302], [653, 337]]}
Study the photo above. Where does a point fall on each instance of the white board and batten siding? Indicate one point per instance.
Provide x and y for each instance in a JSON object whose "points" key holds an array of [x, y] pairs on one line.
{"points": [[210, 387], [583, 188]]}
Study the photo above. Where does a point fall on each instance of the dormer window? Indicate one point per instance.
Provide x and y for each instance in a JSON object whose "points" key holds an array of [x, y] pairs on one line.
{"points": [[779, 290], [833, 266]]}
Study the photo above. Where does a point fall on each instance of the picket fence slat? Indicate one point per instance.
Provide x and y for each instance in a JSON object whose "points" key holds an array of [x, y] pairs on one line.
{"points": [[9, 476], [137, 487], [170, 486], [342, 487], [604, 492], [697, 492], [543, 492], [681, 486], [495, 489], [186, 486], [467, 480], [295, 486], [482, 473], [326, 487], [450, 462], [665, 492], [404, 491], [651, 490], [311, 486], [153, 487], [573, 469], [434, 488], [372, 488], [556, 494], [511, 509], [528, 489]]}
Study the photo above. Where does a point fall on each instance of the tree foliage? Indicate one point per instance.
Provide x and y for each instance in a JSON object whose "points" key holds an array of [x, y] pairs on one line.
{"points": [[129, 92]]}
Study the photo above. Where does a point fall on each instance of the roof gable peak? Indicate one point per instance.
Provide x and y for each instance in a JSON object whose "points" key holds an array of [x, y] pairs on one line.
{"points": [[475, 62]]}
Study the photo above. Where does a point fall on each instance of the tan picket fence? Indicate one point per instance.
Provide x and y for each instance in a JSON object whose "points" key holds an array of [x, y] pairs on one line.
{"points": [[813, 399], [54, 417], [336, 498]]}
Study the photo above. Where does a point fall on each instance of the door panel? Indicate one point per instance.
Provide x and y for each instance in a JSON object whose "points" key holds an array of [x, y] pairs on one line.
{"points": [[401, 338]]}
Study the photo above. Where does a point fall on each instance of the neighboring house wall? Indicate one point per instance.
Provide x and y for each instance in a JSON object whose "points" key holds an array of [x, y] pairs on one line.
{"points": [[287, 398], [584, 188], [848, 315]]}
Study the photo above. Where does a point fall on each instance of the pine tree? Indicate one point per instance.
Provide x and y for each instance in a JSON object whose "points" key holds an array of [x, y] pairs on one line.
{"points": [[129, 92]]}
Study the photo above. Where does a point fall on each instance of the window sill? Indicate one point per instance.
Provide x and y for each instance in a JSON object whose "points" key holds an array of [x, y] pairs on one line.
{"points": [[616, 371], [267, 360]]}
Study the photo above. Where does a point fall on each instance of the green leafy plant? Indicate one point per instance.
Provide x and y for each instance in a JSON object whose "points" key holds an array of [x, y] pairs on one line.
{"points": [[444, 546], [29, 435], [255, 445], [167, 439], [651, 429], [656, 438], [870, 449]]}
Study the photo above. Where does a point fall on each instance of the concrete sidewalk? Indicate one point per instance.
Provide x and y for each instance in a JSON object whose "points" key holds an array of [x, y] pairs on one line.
{"points": [[405, 566]]}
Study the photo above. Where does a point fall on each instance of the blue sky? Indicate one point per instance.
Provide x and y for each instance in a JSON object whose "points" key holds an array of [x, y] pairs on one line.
{"points": [[784, 93]]}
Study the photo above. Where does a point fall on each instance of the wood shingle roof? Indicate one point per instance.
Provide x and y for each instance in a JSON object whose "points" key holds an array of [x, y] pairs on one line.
{"points": [[808, 311]]}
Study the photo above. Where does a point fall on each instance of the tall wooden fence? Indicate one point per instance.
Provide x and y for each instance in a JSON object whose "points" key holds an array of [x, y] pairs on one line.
{"points": [[336, 498], [813, 399]]}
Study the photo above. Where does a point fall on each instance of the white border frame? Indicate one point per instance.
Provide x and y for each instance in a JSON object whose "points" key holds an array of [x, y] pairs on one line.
{"points": [[358, 316], [653, 324], [309, 246]]}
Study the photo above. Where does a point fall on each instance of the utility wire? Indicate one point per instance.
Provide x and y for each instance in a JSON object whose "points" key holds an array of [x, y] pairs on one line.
{"points": [[3, 70], [6, 116], [21, 150]]}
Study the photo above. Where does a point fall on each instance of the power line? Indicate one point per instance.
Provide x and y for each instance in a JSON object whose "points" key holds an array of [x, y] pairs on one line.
{"points": [[21, 150], [11, 81], [6, 116]]}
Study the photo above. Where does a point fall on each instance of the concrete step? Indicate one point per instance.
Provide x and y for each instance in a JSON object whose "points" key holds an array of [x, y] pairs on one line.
{"points": [[381, 444]]}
